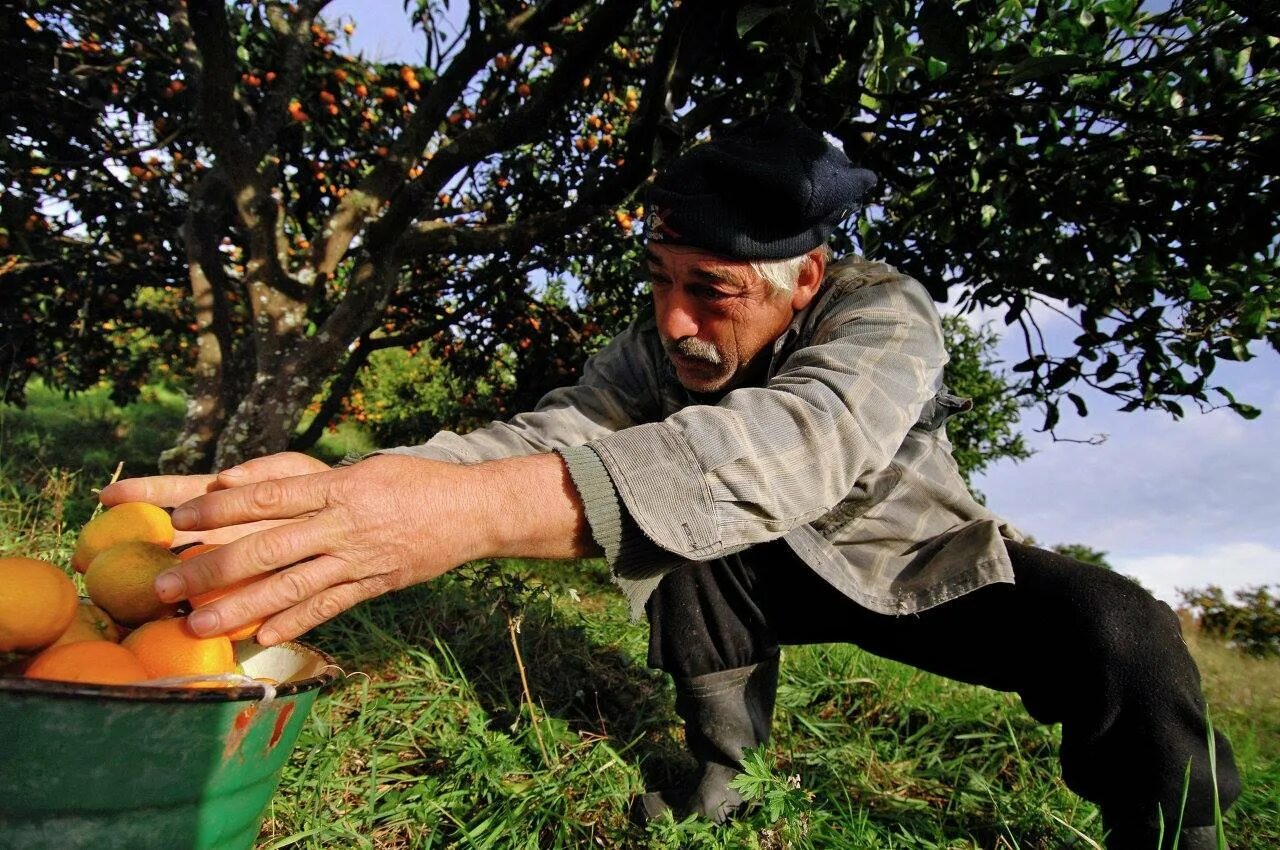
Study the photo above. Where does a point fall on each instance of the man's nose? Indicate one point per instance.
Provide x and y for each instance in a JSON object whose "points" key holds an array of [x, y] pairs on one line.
{"points": [[676, 320]]}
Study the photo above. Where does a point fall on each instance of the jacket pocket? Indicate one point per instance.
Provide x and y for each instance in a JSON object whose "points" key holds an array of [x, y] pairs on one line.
{"points": [[940, 408], [870, 491]]}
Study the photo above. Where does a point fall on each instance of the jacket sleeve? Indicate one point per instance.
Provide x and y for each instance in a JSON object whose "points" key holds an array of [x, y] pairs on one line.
{"points": [[713, 479], [617, 390]]}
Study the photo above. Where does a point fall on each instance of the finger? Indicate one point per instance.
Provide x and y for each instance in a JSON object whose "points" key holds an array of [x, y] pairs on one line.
{"points": [[231, 532], [322, 607], [282, 465], [275, 593], [285, 544], [285, 498], [164, 490]]}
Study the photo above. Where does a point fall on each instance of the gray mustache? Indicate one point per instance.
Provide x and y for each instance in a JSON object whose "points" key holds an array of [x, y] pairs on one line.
{"points": [[693, 348]]}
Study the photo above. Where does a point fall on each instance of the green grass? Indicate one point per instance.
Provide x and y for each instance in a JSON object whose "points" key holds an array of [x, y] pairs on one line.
{"points": [[430, 742]]}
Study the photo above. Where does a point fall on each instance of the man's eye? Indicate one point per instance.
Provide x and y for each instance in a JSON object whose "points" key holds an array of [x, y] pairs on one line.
{"points": [[710, 293]]}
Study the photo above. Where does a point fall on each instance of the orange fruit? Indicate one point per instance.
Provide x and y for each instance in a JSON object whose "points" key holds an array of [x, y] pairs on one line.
{"points": [[198, 549], [37, 603], [89, 623], [122, 580], [127, 521], [169, 648], [244, 632], [96, 662]]}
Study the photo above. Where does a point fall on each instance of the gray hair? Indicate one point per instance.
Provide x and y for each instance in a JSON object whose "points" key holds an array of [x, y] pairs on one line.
{"points": [[782, 275]]}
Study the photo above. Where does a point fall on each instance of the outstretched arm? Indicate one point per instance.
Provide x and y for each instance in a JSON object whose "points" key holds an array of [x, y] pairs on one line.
{"points": [[360, 531]]}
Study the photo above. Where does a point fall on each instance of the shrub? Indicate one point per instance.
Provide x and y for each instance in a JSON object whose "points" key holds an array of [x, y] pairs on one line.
{"points": [[1251, 623]]}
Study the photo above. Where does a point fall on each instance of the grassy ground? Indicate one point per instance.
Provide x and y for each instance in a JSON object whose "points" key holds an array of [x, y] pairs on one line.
{"points": [[432, 740]]}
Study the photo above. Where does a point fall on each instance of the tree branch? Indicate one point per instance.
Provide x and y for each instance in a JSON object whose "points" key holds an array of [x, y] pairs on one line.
{"points": [[215, 80], [441, 237], [366, 200], [605, 25], [338, 390], [273, 115]]}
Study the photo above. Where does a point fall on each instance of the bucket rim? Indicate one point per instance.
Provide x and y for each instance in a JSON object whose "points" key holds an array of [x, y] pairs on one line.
{"points": [[145, 693]]}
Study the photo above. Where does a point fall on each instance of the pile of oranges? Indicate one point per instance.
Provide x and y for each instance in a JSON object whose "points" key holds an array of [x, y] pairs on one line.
{"points": [[122, 633]]}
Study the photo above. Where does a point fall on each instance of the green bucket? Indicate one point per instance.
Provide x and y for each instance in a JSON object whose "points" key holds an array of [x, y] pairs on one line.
{"points": [[136, 767]]}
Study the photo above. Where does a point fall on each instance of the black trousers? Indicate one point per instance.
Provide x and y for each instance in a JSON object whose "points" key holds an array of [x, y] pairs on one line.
{"points": [[1082, 646]]}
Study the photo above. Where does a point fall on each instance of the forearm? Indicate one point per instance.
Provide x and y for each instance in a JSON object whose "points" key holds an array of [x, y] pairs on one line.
{"points": [[529, 508]]}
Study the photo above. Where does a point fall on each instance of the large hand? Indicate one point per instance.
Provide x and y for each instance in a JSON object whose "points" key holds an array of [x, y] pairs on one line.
{"points": [[360, 531], [169, 491]]}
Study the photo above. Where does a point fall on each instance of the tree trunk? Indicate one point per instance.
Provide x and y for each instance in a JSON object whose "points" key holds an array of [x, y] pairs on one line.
{"points": [[213, 391], [264, 420]]}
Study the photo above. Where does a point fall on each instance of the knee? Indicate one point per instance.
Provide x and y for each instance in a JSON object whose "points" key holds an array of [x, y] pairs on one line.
{"points": [[1127, 628], [1107, 616]]}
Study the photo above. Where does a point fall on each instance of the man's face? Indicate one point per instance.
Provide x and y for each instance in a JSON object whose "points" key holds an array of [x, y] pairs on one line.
{"points": [[718, 317]]}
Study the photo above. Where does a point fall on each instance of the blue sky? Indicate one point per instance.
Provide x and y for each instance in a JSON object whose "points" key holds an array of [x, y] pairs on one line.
{"points": [[1173, 503]]}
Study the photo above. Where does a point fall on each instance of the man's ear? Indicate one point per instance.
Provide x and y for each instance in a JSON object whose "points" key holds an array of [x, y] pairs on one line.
{"points": [[811, 275]]}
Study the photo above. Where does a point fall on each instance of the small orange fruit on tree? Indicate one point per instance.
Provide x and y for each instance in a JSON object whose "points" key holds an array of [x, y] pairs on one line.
{"points": [[94, 662], [170, 648], [122, 580], [124, 522], [37, 603]]}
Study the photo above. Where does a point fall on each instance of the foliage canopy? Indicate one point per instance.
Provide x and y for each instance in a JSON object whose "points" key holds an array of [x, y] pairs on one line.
{"points": [[222, 186]]}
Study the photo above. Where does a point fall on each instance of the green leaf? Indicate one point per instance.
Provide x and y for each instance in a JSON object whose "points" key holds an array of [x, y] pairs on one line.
{"points": [[1043, 66], [750, 17], [1050, 417], [1199, 292]]}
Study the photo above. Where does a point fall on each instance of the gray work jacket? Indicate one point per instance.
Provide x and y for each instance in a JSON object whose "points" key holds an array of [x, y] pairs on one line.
{"points": [[841, 452]]}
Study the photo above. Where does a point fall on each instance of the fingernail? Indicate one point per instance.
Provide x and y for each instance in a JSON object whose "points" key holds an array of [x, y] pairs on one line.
{"points": [[233, 472], [170, 587], [184, 518], [266, 637], [203, 622]]}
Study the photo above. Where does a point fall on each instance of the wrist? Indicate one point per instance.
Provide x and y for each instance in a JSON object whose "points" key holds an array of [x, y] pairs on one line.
{"points": [[528, 507]]}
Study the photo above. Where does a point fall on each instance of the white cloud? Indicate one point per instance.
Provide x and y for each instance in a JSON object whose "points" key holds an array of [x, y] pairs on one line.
{"points": [[1230, 566], [1154, 486]]}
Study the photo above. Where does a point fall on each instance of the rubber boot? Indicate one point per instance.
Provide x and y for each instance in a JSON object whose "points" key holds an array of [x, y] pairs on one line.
{"points": [[724, 714]]}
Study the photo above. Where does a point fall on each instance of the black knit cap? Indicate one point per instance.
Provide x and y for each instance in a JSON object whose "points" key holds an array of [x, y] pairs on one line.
{"points": [[768, 189]]}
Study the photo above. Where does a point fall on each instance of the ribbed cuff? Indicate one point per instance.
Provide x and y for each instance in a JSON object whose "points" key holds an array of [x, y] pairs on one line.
{"points": [[654, 469], [351, 459], [599, 498], [635, 563]]}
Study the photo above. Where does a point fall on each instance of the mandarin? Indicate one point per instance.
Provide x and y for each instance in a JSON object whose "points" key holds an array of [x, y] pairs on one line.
{"points": [[198, 549], [170, 648], [126, 522], [37, 603], [93, 662], [122, 580], [244, 632], [90, 623]]}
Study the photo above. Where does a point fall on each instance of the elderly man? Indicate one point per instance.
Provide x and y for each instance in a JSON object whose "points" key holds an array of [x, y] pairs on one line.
{"points": [[762, 463]]}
